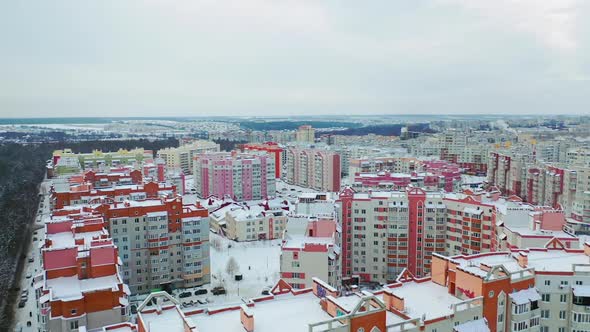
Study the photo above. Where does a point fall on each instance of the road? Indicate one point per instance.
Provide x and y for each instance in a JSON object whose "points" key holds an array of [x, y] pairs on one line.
{"points": [[30, 312]]}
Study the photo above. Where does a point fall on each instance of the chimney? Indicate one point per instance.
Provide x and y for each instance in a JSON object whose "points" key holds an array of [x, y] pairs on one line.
{"points": [[523, 259], [247, 318], [393, 301]]}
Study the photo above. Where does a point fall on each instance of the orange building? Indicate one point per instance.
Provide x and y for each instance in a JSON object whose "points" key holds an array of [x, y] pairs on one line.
{"points": [[80, 285]]}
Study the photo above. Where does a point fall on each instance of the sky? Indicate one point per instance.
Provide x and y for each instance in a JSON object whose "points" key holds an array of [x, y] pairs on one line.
{"points": [[293, 57]]}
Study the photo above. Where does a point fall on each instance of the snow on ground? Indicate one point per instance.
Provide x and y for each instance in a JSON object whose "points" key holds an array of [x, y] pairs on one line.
{"points": [[258, 263]]}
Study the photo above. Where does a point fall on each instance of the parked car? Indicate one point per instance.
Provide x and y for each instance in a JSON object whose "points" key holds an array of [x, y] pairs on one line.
{"points": [[200, 291], [184, 294], [31, 259], [29, 275], [22, 303], [218, 290], [133, 309]]}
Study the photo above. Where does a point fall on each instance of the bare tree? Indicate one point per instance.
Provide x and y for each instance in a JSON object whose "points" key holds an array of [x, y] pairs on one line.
{"points": [[232, 266]]}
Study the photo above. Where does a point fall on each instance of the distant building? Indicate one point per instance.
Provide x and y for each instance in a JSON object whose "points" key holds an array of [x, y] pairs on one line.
{"points": [[241, 176], [305, 134], [182, 157], [313, 168], [64, 160]]}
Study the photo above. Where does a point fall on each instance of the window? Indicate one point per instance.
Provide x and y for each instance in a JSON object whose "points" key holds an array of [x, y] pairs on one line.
{"points": [[563, 298], [545, 297], [74, 325], [547, 283], [544, 313], [520, 308], [562, 314]]}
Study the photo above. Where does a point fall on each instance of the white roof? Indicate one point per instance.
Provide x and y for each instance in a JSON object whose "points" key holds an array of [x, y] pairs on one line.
{"points": [[293, 313], [479, 325], [170, 319], [71, 288], [525, 296], [425, 298]]}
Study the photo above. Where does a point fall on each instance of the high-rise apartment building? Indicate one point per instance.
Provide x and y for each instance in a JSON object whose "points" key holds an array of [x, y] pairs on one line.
{"points": [[241, 176], [182, 156], [313, 168], [305, 134], [271, 148]]}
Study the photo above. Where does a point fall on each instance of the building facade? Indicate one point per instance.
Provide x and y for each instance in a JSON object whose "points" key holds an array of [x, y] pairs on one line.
{"points": [[182, 156], [313, 168], [241, 176]]}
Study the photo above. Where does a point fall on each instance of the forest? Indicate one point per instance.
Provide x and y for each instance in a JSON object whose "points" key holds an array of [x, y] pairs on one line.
{"points": [[22, 169]]}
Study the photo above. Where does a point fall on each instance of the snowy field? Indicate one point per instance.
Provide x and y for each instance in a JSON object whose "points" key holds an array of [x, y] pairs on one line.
{"points": [[258, 262]]}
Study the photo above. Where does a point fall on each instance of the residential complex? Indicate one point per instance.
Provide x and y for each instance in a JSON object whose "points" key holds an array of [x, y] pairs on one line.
{"points": [[182, 157], [67, 162], [313, 168], [240, 176]]}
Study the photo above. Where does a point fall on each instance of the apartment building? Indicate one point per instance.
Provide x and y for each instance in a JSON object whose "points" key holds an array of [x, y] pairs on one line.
{"points": [[272, 149], [540, 289], [560, 186], [305, 134], [114, 177], [470, 225], [182, 156], [313, 168], [252, 223], [163, 243], [241, 176], [80, 285], [80, 194], [310, 249], [386, 232], [97, 158]]}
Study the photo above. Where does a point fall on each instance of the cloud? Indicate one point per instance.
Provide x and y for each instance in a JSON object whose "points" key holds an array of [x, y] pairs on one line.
{"points": [[263, 57], [549, 21]]}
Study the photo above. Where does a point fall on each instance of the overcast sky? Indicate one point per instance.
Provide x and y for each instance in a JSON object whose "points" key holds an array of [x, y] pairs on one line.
{"points": [[283, 57]]}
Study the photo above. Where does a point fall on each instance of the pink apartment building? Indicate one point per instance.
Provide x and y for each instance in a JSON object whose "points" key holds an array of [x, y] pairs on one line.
{"points": [[241, 176]]}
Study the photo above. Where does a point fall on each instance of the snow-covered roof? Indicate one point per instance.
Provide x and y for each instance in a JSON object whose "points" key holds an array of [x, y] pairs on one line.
{"points": [[479, 325], [525, 296], [541, 260], [294, 312], [71, 288], [425, 299], [169, 319]]}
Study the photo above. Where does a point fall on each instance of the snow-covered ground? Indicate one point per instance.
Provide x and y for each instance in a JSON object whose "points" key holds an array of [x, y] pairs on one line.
{"points": [[258, 263]]}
